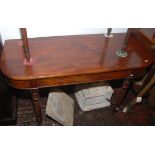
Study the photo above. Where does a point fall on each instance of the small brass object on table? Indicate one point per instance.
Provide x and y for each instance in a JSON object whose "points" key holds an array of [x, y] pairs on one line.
{"points": [[122, 52]]}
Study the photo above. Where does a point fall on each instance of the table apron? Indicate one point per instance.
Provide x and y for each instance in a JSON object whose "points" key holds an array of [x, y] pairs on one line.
{"points": [[75, 79]]}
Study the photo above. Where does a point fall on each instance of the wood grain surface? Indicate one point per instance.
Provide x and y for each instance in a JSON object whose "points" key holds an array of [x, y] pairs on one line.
{"points": [[72, 59]]}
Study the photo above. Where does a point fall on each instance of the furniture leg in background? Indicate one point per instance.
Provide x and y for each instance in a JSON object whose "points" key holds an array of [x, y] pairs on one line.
{"points": [[125, 89], [138, 98], [149, 76], [36, 104]]}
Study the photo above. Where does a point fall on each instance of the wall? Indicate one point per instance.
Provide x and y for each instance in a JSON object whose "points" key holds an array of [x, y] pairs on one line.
{"points": [[13, 33]]}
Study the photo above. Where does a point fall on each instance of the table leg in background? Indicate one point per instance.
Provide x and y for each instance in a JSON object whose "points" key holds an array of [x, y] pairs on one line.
{"points": [[125, 89]]}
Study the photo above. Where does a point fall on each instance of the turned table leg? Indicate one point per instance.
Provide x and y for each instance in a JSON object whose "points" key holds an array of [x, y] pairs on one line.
{"points": [[125, 89], [36, 104]]}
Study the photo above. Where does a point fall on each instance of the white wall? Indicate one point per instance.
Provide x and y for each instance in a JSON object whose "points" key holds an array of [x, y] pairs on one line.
{"points": [[13, 33]]}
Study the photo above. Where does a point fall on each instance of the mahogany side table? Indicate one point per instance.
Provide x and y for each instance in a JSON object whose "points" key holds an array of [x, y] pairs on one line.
{"points": [[64, 60]]}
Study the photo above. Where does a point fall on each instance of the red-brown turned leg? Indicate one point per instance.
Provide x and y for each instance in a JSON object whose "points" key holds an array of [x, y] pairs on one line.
{"points": [[125, 89], [36, 104]]}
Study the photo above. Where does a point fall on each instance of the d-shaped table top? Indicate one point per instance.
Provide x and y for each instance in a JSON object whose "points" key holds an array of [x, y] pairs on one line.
{"points": [[64, 56]]}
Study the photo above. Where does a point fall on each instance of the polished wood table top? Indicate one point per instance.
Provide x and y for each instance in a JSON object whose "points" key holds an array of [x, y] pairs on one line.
{"points": [[64, 60]]}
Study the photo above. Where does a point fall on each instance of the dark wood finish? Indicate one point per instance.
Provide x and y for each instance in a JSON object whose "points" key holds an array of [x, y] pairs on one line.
{"points": [[71, 60], [66, 80], [36, 104], [25, 44], [125, 87]]}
